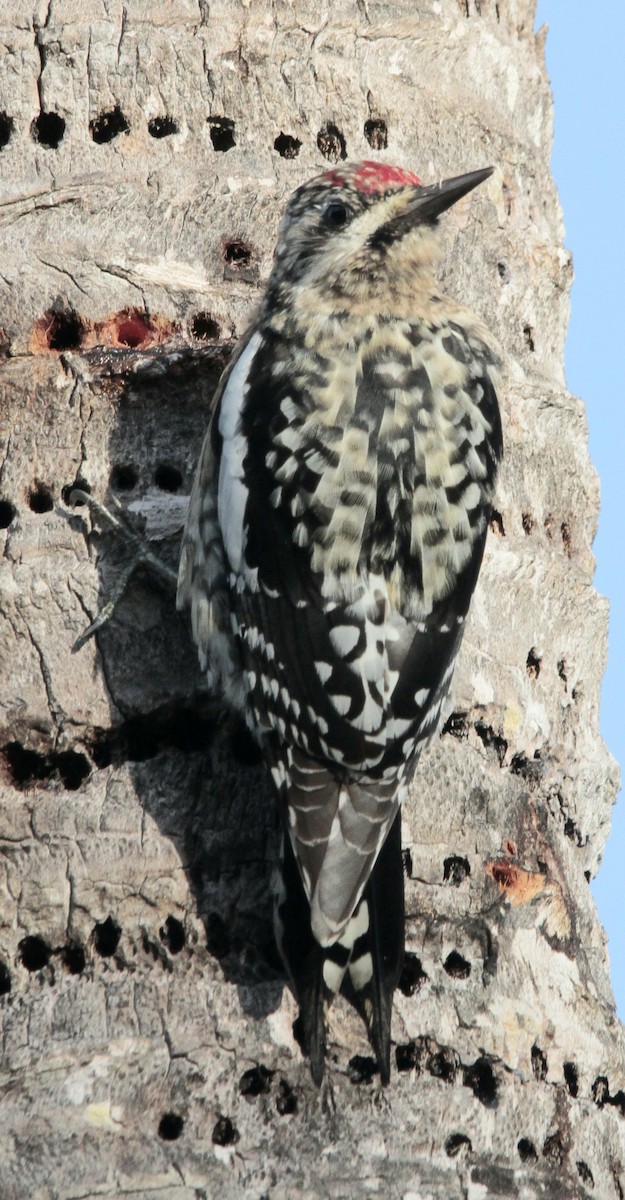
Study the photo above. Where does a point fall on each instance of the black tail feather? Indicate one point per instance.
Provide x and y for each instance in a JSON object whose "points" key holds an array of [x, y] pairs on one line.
{"points": [[303, 957], [370, 985], [384, 941]]}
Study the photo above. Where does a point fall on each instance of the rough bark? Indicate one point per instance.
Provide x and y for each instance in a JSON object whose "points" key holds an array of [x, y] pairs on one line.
{"points": [[147, 1040]]}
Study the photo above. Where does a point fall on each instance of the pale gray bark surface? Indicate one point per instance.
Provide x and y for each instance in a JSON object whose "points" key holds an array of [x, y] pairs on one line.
{"points": [[136, 835]]}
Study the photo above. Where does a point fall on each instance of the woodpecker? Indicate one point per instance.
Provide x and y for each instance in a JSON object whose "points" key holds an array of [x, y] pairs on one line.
{"points": [[334, 537]]}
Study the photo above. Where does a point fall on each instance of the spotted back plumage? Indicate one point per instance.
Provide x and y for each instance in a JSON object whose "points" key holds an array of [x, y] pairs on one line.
{"points": [[335, 535]]}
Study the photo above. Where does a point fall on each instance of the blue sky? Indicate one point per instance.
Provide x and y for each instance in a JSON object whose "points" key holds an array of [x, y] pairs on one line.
{"points": [[585, 63]]}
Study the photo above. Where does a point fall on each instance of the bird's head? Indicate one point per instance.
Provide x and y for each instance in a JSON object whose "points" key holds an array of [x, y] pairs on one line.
{"points": [[361, 227]]}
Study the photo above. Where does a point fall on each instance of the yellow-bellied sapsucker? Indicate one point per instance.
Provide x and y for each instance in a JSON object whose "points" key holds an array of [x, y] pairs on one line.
{"points": [[334, 539]]}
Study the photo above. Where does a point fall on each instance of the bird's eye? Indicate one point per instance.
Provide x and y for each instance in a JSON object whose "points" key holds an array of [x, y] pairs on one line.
{"points": [[335, 214]]}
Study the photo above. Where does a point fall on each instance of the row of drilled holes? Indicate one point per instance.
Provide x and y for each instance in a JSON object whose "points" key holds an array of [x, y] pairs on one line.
{"points": [[35, 954], [529, 523], [48, 129], [124, 478]]}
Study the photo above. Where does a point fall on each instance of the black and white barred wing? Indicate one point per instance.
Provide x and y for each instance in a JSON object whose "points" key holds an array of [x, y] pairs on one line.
{"points": [[203, 572]]}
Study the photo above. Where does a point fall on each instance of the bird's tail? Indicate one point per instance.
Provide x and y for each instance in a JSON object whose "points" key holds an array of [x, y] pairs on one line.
{"points": [[366, 960]]}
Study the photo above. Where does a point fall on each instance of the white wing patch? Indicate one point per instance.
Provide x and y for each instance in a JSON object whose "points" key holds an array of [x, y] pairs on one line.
{"points": [[232, 492]]}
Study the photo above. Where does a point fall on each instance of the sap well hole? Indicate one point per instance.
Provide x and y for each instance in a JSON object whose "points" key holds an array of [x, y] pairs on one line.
{"points": [[287, 145], [161, 127], [457, 966], [34, 953], [170, 1126], [224, 1132], [40, 499], [106, 935], [412, 976], [168, 478], [331, 143], [376, 133], [6, 129], [527, 1150], [108, 125], [8, 513], [73, 958], [48, 129], [455, 870], [205, 328], [221, 131], [173, 935]]}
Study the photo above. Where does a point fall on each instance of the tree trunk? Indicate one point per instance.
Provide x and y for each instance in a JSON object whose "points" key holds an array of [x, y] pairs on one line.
{"points": [[147, 153]]}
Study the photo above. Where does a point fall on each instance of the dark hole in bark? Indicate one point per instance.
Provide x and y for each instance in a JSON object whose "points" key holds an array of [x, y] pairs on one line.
{"points": [[458, 1145], [492, 740], [565, 533], [224, 1132], [406, 858], [528, 334], [504, 271], [64, 329], [455, 870], [68, 488], [255, 1082], [412, 976], [73, 768], [527, 1150], [585, 1173], [457, 725], [482, 1080], [73, 958], [170, 1126], [406, 1056], [5, 979], [34, 953], [40, 499], [106, 935], [48, 129], [457, 966], [8, 513], [361, 1069], [221, 133], [444, 1064], [286, 1101], [6, 129], [331, 142], [496, 523], [204, 327], [553, 1150], [600, 1091], [133, 328], [571, 1078], [532, 665], [160, 127], [168, 478], [237, 254], [376, 133], [539, 1063], [530, 769], [173, 935], [287, 145], [124, 477], [108, 125], [527, 522]]}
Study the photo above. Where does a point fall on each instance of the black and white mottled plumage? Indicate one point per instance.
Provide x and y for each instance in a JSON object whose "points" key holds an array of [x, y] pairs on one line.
{"points": [[334, 538]]}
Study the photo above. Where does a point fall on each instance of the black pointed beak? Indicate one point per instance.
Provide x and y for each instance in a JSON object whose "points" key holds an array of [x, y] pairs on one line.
{"points": [[429, 202]]}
